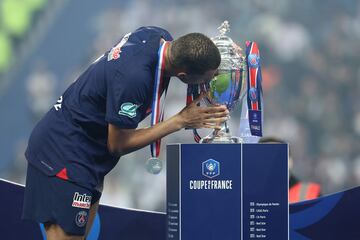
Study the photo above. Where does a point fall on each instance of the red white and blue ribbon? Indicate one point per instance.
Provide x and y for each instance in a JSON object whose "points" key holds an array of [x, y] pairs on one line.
{"points": [[254, 91], [158, 102], [193, 91]]}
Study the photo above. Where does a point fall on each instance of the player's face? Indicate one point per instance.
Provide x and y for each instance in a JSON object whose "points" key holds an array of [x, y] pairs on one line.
{"points": [[197, 78]]}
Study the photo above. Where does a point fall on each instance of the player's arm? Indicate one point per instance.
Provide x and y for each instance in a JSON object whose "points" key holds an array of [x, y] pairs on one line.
{"points": [[123, 141]]}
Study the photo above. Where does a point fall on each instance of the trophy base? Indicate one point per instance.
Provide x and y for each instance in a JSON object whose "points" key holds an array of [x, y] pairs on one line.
{"points": [[221, 139], [221, 136]]}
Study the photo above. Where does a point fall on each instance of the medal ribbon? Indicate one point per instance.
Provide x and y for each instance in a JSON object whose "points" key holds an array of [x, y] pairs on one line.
{"points": [[254, 91], [158, 102], [193, 91]]}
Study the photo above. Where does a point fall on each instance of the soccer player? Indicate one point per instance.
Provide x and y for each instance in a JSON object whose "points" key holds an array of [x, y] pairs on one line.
{"points": [[95, 121]]}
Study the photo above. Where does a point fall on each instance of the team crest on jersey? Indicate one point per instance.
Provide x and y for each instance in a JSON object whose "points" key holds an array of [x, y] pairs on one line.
{"points": [[81, 201], [128, 109], [115, 51], [81, 218]]}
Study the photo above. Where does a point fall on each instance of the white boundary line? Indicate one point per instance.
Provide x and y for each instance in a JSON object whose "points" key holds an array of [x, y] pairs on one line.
{"points": [[18, 184], [132, 209]]}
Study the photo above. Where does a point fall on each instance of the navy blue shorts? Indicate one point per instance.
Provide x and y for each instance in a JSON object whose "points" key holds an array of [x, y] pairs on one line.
{"points": [[53, 200]]}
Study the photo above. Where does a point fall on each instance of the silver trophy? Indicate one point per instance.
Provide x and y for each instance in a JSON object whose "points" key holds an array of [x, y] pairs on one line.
{"points": [[229, 86]]}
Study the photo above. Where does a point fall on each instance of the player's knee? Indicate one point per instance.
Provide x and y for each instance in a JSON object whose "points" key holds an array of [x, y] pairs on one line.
{"points": [[55, 232]]}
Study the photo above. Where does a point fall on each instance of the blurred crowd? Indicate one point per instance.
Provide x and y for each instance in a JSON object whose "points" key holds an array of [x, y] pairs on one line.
{"points": [[310, 55]]}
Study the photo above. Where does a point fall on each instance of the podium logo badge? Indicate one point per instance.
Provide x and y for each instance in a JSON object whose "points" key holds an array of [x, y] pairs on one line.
{"points": [[211, 168]]}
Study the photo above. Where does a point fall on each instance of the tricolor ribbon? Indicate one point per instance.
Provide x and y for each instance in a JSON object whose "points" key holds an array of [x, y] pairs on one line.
{"points": [[193, 92], [254, 91], [158, 102]]}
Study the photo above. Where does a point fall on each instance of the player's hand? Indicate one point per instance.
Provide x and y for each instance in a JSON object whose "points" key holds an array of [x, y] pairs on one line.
{"points": [[193, 116], [238, 49]]}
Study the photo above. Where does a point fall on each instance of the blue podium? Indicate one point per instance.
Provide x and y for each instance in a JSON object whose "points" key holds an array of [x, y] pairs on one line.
{"points": [[227, 191], [203, 212]]}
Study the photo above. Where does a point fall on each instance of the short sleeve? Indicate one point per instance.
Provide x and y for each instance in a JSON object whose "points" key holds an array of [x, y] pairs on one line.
{"points": [[127, 99], [130, 75]]}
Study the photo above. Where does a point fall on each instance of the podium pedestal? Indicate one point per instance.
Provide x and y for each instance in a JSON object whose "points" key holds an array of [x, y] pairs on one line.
{"points": [[227, 191]]}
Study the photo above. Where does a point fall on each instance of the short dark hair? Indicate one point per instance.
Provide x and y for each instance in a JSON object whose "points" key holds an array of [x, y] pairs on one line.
{"points": [[195, 53]]}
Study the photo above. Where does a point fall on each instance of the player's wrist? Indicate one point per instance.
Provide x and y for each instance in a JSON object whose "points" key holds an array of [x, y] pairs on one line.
{"points": [[178, 122]]}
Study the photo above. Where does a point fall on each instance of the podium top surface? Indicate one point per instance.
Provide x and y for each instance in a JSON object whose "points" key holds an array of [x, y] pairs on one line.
{"points": [[177, 144]]}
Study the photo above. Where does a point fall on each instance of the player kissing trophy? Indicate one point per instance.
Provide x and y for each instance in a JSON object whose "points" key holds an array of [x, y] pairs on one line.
{"points": [[237, 84]]}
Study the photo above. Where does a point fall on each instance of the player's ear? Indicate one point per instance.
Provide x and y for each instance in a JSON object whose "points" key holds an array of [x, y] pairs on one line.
{"points": [[182, 76]]}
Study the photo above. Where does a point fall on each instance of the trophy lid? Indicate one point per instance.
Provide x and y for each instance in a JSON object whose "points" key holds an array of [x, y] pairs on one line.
{"points": [[230, 55]]}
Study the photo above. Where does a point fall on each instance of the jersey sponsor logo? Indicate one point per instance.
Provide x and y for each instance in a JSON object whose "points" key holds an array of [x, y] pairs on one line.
{"points": [[115, 51], [128, 109], [81, 200], [81, 218]]}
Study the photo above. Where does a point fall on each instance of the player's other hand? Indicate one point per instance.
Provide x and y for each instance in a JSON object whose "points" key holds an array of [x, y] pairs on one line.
{"points": [[193, 116]]}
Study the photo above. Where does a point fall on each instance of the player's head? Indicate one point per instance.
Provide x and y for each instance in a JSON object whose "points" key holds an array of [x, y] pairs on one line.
{"points": [[195, 57]]}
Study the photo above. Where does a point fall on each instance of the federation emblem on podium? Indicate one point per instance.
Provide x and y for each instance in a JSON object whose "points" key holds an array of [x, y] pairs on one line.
{"points": [[211, 168]]}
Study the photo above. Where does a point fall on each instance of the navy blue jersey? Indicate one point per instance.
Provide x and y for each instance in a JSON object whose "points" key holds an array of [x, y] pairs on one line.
{"points": [[70, 141]]}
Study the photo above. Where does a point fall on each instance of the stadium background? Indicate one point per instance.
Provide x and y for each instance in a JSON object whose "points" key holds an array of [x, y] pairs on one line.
{"points": [[311, 77]]}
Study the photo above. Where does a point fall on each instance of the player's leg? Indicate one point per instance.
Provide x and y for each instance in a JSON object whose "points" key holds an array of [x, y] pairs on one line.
{"points": [[76, 208], [65, 207], [92, 214], [55, 232]]}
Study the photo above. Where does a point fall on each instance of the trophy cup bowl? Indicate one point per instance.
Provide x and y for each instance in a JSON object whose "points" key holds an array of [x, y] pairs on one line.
{"points": [[228, 87]]}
